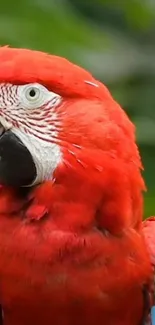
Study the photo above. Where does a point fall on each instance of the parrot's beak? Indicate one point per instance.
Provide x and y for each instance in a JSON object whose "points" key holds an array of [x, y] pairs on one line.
{"points": [[17, 167]]}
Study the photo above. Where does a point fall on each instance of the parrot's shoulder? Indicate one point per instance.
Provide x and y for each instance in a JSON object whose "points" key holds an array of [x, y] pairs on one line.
{"points": [[149, 234]]}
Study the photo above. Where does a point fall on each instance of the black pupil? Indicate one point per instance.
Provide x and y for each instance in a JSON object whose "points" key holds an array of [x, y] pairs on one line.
{"points": [[32, 92]]}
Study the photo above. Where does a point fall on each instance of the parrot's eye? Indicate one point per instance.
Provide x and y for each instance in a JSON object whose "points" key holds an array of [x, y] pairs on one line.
{"points": [[36, 95], [32, 93]]}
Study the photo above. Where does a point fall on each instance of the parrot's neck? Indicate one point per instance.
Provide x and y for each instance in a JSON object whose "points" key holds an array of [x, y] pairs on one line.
{"points": [[78, 201], [60, 199], [67, 202], [29, 202]]}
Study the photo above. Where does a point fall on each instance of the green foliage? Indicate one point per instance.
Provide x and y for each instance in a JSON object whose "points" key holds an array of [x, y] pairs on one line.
{"points": [[112, 39]]}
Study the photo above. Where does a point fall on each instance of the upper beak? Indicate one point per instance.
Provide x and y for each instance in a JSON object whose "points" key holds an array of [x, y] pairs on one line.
{"points": [[17, 167]]}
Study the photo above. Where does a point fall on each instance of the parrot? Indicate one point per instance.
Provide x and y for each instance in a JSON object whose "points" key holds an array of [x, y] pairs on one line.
{"points": [[73, 246]]}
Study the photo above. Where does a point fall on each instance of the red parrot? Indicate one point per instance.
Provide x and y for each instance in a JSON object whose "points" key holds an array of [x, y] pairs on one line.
{"points": [[72, 247]]}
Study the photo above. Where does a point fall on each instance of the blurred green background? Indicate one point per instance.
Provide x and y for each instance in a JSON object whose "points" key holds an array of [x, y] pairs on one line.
{"points": [[115, 40]]}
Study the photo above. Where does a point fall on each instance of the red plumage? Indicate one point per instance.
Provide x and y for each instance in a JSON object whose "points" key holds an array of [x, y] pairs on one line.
{"points": [[72, 249]]}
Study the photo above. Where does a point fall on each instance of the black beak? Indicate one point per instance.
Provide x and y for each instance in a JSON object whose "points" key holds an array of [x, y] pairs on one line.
{"points": [[17, 167]]}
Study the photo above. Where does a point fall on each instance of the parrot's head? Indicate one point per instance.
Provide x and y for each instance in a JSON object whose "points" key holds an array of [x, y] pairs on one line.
{"points": [[54, 113], [35, 91]]}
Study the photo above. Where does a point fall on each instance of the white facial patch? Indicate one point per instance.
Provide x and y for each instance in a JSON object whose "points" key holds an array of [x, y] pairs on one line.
{"points": [[46, 155], [30, 111]]}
